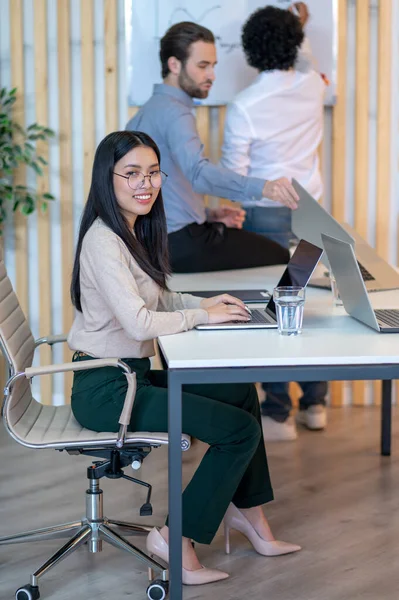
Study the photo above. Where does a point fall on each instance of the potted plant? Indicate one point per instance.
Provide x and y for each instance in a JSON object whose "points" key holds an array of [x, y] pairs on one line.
{"points": [[17, 147]]}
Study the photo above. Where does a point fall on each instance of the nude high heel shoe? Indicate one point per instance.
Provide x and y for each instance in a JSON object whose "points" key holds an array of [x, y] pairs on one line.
{"points": [[234, 519], [157, 546]]}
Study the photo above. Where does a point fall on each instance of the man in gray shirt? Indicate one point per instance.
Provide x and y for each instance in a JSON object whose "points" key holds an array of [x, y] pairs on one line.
{"points": [[201, 239]]}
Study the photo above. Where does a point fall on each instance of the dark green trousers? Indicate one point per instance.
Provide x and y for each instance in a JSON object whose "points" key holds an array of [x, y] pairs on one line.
{"points": [[225, 416]]}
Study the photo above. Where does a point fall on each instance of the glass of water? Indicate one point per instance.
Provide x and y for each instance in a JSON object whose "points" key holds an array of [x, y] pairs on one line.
{"points": [[289, 301]]}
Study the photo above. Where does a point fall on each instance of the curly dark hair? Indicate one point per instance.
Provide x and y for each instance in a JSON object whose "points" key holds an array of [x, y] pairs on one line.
{"points": [[271, 38]]}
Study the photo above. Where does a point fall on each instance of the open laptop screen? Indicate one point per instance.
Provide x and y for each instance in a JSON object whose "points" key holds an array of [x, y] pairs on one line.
{"points": [[310, 220], [299, 269]]}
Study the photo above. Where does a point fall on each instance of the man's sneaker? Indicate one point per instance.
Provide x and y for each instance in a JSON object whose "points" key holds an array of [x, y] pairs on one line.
{"points": [[275, 431], [314, 417]]}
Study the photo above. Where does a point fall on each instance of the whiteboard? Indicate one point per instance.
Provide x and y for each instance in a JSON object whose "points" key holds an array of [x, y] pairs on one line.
{"points": [[148, 20]]}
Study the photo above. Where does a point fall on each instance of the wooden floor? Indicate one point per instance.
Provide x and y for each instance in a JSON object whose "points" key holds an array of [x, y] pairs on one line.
{"points": [[335, 496]]}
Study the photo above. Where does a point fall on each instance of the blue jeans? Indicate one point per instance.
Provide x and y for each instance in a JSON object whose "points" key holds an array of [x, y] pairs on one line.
{"points": [[275, 224]]}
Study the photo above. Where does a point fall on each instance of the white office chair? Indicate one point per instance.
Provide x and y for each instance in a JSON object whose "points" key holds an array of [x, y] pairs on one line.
{"points": [[37, 426]]}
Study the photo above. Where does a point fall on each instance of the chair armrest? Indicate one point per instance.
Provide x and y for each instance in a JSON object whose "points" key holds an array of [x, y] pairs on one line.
{"points": [[95, 363], [51, 339]]}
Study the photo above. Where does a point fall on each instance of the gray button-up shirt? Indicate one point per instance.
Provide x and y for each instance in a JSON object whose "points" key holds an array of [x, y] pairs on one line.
{"points": [[169, 119]]}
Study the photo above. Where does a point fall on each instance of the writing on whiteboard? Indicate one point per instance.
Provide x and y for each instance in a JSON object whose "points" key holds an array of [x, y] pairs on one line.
{"points": [[148, 20]]}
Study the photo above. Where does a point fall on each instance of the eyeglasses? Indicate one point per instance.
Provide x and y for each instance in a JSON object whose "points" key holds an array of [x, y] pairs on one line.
{"points": [[136, 180]]}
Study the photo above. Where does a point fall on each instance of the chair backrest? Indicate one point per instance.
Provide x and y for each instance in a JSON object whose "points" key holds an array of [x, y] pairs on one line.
{"points": [[17, 344]]}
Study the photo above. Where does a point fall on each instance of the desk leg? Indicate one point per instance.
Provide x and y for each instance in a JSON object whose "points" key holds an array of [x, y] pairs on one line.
{"points": [[175, 484], [386, 417]]}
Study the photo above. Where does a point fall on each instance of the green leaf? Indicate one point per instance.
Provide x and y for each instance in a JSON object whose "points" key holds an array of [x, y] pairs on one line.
{"points": [[10, 101], [36, 168], [19, 128], [26, 209], [29, 201], [17, 149]]}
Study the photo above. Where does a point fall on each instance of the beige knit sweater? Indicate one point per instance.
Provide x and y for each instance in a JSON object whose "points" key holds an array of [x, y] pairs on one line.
{"points": [[124, 310]]}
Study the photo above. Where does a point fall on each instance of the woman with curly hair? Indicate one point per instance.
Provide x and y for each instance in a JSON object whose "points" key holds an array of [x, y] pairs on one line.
{"points": [[273, 129]]}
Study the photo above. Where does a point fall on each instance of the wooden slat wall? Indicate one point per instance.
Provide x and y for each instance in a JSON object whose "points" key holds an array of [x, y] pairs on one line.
{"points": [[361, 141], [384, 132], [362, 117], [17, 77], [43, 224], [88, 85], [111, 65], [338, 165], [65, 146], [339, 119], [98, 114], [88, 103]]}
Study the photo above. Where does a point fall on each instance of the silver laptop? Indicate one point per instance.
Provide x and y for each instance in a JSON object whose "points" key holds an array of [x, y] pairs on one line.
{"points": [[310, 220], [298, 272], [352, 289], [247, 296]]}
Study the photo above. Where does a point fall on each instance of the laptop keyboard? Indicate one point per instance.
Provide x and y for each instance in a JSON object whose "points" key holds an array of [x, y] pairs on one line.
{"points": [[365, 274], [389, 316], [259, 316]]}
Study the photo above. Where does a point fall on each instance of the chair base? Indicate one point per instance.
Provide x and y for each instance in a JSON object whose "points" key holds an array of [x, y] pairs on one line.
{"points": [[93, 529]]}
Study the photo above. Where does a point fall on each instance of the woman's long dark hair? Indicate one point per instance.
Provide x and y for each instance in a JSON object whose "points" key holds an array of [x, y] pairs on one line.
{"points": [[149, 245]]}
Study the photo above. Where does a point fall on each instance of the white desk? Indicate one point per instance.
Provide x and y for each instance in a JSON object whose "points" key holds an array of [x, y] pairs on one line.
{"points": [[329, 336], [332, 346]]}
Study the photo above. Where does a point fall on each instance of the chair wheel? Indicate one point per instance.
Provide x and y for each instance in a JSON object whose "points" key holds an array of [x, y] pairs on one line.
{"points": [[158, 590], [27, 592]]}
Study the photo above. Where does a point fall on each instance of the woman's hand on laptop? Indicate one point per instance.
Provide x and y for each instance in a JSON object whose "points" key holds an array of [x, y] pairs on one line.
{"points": [[225, 308], [281, 190]]}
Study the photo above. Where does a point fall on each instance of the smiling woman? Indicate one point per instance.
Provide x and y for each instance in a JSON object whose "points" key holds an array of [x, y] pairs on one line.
{"points": [[139, 169], [121, 208], [123, 304]]}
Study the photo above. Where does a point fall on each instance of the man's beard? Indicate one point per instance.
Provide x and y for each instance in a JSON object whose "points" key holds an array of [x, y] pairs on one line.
{"points": [[189, 86]]}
